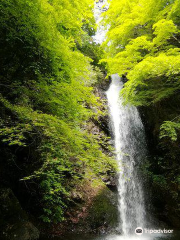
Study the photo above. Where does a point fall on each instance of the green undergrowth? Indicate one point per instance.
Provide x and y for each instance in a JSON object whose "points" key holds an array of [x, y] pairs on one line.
{"points": [[47, 100]]}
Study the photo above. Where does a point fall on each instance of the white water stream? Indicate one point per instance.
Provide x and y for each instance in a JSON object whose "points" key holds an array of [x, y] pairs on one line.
{"points": [[130, 150], [129, 142]]}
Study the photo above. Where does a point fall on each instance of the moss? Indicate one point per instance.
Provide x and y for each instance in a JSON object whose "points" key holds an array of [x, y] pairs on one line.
{"points": [[103, 212]]}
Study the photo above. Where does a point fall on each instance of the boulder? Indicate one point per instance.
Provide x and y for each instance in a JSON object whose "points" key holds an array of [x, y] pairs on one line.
{"points": [[103, 214]]}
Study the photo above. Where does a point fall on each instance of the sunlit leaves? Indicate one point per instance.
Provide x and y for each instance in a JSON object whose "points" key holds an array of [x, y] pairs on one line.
{"points": [[169, 129], [47, 96], [143, 44], [147, 53], [163, 30]]}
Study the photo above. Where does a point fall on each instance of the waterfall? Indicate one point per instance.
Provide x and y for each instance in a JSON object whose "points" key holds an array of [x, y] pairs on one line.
{"points": [[129, 143]]}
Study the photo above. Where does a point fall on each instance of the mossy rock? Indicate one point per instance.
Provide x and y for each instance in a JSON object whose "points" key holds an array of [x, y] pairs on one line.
{"points": [[103, 214]]}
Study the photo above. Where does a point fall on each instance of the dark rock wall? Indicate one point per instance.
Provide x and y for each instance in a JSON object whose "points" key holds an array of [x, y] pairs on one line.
{"points": [[163, 170]]}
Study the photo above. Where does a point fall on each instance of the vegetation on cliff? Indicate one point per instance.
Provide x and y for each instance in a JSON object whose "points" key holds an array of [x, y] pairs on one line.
{"points": [[143, 44], [47, 100]]}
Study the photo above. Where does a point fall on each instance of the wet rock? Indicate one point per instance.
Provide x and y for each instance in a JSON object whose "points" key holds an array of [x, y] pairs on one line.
{"points": [[111, 182], [14, 223], [104, 84], [103, 214], [164, 160]]}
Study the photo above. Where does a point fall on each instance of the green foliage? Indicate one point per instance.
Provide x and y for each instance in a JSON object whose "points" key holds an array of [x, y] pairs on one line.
{"points": [[46, 98], [169, 129], [160, 181], [143, 43]]}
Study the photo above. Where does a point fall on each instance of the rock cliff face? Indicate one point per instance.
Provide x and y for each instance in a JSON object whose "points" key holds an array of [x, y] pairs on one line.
{"points": [[93, 210], [163, 169], [94, 205]]}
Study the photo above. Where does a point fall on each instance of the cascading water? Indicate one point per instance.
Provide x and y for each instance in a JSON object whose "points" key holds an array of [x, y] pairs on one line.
{"points": [[129, 145], [129, 142]]}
